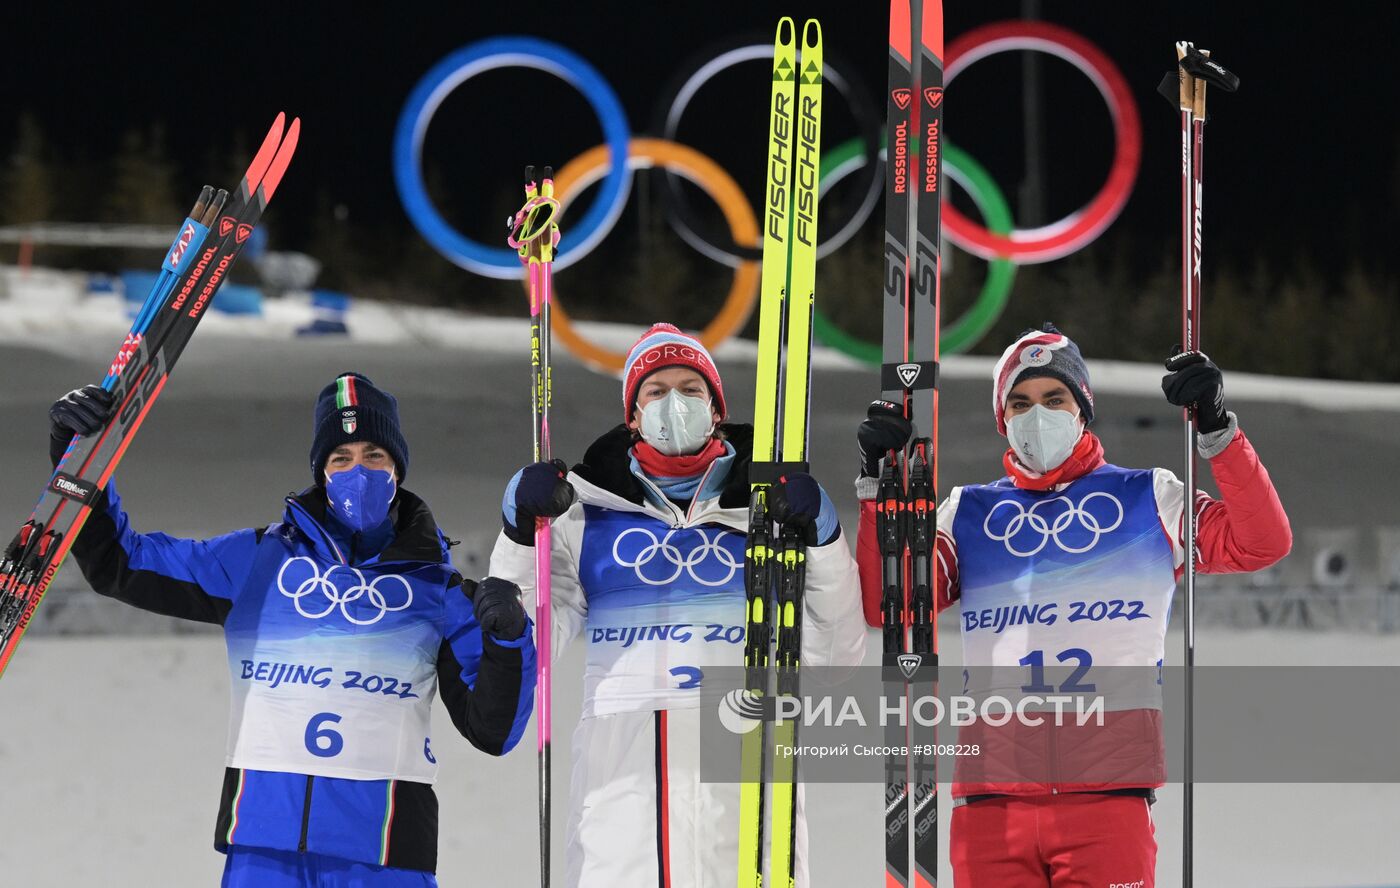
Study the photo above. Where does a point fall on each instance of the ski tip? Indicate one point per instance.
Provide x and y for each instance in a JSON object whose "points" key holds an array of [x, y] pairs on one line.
{"points": [[808, 28], [278, 168], [901, 36], [258, 168], [787, 32], [216, 206]]}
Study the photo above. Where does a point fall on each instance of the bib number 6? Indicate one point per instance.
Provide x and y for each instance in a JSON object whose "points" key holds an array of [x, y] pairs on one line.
{"points": [[322, 741]]}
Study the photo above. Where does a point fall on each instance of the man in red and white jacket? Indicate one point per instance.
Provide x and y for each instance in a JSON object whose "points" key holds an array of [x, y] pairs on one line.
{"points": [[1064, 572]]}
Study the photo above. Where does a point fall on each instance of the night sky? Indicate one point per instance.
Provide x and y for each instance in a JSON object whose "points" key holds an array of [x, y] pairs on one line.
{"points": [[1301, 160]]}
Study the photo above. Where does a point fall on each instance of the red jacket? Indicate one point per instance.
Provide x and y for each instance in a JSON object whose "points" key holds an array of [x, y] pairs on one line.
{"points": [[1245, 530]]}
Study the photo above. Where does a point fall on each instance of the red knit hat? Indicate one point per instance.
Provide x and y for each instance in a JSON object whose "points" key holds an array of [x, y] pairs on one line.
{"points": [[664, 345]]}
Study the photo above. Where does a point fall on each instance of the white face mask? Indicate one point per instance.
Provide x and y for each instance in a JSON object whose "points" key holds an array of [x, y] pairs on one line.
{"points": [[677, 424], [1043, 438]]}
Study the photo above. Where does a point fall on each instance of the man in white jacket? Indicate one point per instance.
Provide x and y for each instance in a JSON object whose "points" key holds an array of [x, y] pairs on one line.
{"points": [[647, 563]]}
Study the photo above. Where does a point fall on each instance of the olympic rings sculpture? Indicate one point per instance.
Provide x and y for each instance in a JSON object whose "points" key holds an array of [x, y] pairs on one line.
{"points": [[997, 239], [457, 68]]}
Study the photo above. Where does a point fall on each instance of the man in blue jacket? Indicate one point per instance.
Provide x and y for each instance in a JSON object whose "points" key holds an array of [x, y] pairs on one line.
{"points": [[342, 621]]}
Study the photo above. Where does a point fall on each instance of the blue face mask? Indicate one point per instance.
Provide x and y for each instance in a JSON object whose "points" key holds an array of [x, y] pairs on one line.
{"points": [[360, 497]]}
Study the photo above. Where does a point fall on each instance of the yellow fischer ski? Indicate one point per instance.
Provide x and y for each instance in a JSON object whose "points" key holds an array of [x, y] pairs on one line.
{"points": [[775, 556]]}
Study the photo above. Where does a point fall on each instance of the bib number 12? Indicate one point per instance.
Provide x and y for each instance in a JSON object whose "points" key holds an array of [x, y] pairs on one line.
{"points": [[1036, 661]]}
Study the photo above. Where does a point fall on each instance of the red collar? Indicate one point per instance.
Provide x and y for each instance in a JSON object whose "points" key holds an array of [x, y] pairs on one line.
{"points": [[658, 465], [1086, 456]]}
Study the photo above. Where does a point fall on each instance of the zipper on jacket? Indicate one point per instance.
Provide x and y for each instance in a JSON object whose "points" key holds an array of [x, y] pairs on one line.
{"points": [[330, 543], [306, 815]]}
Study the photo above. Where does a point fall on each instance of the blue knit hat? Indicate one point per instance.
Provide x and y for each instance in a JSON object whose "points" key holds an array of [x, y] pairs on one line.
{"points": [[353, 409]]}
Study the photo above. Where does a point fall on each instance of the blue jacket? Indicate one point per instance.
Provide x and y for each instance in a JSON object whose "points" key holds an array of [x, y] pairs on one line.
{"points": [[334, 660]]}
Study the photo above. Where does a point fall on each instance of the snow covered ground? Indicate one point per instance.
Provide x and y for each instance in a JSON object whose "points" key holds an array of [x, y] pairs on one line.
{"points": [[111, 747], [112, 757]]}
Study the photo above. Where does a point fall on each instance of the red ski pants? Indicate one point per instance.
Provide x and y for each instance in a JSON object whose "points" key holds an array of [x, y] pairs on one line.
{"points": [[1072, 840]]}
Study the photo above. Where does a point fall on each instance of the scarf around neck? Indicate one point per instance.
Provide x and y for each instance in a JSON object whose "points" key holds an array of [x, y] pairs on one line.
{"points": [[1086, 456]]}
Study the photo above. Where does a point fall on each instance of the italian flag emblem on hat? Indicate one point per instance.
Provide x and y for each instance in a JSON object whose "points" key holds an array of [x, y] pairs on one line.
{"points": [[345, 398]]}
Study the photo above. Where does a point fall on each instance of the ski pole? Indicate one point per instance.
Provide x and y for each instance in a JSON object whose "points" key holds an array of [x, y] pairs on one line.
{"points": [[1194, 71], [534, 235]]}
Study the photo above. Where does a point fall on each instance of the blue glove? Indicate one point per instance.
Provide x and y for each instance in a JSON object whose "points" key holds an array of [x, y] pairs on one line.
{"points": [[540, 490], [800, 501]]}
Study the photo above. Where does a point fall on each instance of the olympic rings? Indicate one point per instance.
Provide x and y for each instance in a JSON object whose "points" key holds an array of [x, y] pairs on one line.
{"points": [[1001, 273], [677, 98], [334, 596], [672, 555], [1076, 514], [588, 167], [1058, 239], [460, 66]]}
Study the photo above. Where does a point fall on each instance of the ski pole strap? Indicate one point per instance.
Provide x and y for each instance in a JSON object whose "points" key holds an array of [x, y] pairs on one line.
{"points": [[772, 472], [75, 489], [911, 376], [1200, 65]]}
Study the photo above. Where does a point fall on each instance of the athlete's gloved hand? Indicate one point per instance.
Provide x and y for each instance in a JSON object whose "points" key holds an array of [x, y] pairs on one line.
{"points": [[798, 499], [540, 490], [498, 608], [884, 429], [82, 411], [1195, 381]]}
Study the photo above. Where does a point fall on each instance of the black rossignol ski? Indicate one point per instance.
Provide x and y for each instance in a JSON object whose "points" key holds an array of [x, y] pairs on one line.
{"points": [[141, 369], [923, 465], [907, 501]]}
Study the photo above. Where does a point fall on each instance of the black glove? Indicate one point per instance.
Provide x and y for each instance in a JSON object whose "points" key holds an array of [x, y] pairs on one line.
{"points": [[82, 411], [1195, 381], [541, 490], [884, 429], [797, 500], [498, 609]]}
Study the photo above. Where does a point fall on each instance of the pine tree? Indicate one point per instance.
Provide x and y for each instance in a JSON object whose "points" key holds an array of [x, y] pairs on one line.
{"points": [[26, 186]]}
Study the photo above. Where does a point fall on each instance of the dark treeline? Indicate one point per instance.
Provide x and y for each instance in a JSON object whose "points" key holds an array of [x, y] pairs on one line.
{"points": [[1280, 310]]}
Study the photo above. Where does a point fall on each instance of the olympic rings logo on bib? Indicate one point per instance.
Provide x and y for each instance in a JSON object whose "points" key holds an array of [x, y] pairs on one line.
{"points": [[1075, 528], [661, 562], [332, 596]]}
